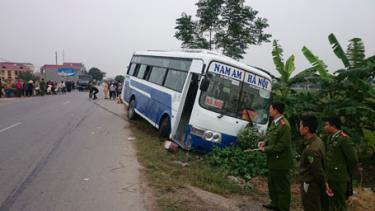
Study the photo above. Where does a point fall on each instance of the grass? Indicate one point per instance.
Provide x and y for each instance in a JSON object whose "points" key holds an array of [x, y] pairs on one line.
{"points": [[168, 178], [165, 175]]}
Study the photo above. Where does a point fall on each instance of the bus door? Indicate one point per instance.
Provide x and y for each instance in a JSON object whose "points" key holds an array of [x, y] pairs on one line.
{"points": [[187, 103]]}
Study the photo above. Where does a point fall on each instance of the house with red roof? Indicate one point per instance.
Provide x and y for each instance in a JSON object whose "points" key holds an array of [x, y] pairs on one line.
{"points": [[11, 70]]}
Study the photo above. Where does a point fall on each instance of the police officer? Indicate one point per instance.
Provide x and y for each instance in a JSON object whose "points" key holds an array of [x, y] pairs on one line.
{"points": [[277, 147], [314, 182], [341, 160], [42, 86]]}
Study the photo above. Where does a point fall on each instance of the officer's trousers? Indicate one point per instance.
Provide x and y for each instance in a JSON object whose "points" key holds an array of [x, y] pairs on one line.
{"points": [[279, 188], [312, 197], [337, 202]]}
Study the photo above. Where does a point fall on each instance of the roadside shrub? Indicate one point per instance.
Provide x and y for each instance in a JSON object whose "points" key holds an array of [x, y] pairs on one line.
{"points": [[235, 161], [248, 138], [238, 163]]}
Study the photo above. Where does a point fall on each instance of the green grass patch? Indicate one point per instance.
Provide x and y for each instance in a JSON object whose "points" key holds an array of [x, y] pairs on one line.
{"points": [[164, 173]]}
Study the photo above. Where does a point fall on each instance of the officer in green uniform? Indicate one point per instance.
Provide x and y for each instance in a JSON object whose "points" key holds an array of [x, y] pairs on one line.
{"points": [[42, 86], [341, 160], [277, 147], [314, 182]]}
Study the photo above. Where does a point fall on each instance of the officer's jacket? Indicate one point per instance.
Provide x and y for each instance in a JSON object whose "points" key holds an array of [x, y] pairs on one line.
{"points": [[341, 157], [278, 147], [313, 164]]}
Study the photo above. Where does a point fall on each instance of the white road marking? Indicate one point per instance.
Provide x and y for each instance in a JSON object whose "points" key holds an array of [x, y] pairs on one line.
{"points": [[14, 125], [66, 102]]}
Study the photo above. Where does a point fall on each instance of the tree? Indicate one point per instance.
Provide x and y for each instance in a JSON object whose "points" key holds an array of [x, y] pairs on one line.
{"points": [[356, 53], [285, 70], [240, 28], [27, 76], [119, 78], [348, 93], [185, 30], [96, 74], [232, 27], [188, 33], [282, 88], [208, 13]]}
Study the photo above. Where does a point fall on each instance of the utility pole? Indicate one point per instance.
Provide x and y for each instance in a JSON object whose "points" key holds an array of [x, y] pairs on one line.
{"points": [[56, 57]]}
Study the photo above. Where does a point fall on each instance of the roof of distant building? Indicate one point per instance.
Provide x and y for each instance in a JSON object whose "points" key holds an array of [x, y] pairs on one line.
{"points": [[65, 65], [15, 66], [73, 64]]}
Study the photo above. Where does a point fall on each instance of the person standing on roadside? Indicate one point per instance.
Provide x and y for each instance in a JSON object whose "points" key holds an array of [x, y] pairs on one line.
{"points": [[112, 91], [1, 88], [30, 88], [19, 87], [118, 89], [105, 89], [314, 182], [37, 88], [42, 87], [341, 160], [277, 147]]}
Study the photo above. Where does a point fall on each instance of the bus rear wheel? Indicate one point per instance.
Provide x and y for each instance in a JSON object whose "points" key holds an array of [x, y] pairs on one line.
{"points": [[131, 111], [165, 128]]}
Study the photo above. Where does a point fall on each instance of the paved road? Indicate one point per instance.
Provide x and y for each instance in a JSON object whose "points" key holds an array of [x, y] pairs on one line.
{"points": [[66, 153]]}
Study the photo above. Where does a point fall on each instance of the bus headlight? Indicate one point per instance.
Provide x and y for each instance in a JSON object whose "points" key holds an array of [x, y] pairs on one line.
{"points": [[212, 136], [208, 135], [216, 138]]}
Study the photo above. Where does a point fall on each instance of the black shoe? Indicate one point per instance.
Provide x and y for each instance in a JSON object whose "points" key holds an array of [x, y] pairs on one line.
{"points": [[269, 206]]}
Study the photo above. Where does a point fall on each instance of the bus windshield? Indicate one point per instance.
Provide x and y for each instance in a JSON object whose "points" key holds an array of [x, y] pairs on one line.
{"points": [[235, 98]]}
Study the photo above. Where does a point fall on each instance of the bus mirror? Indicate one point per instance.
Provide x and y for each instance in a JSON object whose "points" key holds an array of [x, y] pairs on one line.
{"points": [[204, 84]]}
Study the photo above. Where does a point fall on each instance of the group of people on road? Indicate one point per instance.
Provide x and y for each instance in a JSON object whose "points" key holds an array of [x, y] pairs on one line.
{"points": [[112, 89], [325, 166], [29, 88]]}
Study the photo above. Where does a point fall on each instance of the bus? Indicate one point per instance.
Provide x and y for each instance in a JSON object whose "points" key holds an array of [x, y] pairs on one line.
{"points": [[196, 98]]}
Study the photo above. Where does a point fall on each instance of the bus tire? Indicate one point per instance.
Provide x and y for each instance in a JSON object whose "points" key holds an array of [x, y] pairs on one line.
{"points": [[131, 110], [165, 128]]}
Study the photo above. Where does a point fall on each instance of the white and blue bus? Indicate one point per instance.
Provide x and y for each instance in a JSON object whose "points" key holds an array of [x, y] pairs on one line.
{"points": [[196, 98]]}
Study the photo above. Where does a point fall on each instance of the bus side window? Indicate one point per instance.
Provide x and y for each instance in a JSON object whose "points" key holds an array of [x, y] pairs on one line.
{"points": [[136, 69], [141, 71], [147, 73], [157, 75], [131, 69]]}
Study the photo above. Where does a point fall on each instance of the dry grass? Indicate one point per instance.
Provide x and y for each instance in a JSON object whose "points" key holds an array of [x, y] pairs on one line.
{"points": [[362, 200]]}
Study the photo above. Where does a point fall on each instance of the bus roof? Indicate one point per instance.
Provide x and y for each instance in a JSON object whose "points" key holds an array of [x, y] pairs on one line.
{"points": [[205, 55]]}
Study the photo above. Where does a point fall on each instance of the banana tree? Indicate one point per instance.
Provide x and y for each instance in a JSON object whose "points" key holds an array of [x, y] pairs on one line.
{"points": [[285, 70], [348, 93], [283, 91]]}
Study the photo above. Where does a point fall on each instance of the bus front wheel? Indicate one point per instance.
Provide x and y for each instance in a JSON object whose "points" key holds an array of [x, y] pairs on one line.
{"points": [[165, 128], [131, 111]]}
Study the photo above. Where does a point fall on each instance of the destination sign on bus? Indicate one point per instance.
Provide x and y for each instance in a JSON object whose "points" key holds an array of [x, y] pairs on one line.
{"points": [[238, 74]]}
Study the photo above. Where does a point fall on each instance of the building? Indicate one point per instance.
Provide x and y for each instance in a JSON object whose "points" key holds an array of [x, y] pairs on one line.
{"points": [[64, 72], [11, 70]]}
